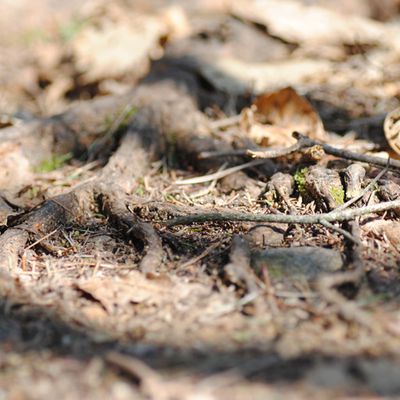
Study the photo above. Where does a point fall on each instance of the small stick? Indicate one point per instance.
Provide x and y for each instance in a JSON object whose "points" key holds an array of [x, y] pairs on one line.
{"points": [[205, 253], [225, 122], [259, 153], [348, 155], [219, 174], [41, 239], [301, 143], [343, 232], [333, 216], [305, 142]]}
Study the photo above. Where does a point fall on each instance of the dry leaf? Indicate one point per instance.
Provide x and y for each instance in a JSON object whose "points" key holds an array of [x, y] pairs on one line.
{"points": [[15, 167], [5, 211], [235, 76], [298, 23], [389, 229], [118, 47], [391, 128], [136, 289], [280, 113], [120, 292]]}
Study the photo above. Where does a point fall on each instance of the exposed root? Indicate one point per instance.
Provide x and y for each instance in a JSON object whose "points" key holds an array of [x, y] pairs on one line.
{"points": [[59, 211], [133, 226]]}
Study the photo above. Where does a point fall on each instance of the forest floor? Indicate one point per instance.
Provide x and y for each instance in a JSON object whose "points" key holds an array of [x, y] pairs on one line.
{"points": [[164, 234]]}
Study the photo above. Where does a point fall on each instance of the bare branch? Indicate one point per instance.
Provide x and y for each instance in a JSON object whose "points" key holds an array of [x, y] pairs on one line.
{"points": [[333, 216]]}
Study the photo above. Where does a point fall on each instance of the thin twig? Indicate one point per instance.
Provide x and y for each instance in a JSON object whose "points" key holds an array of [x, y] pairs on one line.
{"points": [[204, 192], [343, 232], [225, 122], [348, 155], [305, 142], [219, 174], [301, 143], [259, 155], [333, 216], [205, 253], [41, 239], [260, 152]]}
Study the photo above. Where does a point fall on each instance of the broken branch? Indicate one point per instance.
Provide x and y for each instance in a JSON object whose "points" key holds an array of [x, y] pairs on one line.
{"points": [[333, 216]]}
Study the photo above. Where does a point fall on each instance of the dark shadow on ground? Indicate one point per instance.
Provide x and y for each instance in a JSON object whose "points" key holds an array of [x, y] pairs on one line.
{"points": [[29, 329]]}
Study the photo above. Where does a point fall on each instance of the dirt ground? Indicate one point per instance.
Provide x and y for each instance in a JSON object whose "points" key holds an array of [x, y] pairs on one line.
{"points": [[164, 233]]}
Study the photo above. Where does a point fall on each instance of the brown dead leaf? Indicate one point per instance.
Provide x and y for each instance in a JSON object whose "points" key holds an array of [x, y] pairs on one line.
{"points": [[280, 113], [5, 211], [389, 229], [120, 292]]}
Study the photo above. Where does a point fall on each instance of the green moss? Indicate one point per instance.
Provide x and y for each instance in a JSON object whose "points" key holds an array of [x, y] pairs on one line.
{"points": [[140, 191], [300, 179], [276, 272], [337, 194], [54, 162]]}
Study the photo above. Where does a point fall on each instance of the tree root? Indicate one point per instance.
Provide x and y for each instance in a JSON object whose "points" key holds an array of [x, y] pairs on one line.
{"points": [[166, 115], [121, 217]]}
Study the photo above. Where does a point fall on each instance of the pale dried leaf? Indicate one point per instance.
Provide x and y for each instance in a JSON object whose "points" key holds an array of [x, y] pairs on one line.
{"points": [[15, 168], [235, 76], [298, 23], [115, 48], [389, 229], [280, 113], [391, 128]]}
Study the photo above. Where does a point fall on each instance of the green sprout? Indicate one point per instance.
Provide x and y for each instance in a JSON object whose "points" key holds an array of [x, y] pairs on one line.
{"points": [[123, 119], [71, 28], [56, 161], [300, 179]]}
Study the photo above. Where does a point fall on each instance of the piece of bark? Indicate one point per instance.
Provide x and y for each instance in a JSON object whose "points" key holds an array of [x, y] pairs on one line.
{"points": [[267, 235], [280, 186], [296, 263], [353, 177], [325, 187]]}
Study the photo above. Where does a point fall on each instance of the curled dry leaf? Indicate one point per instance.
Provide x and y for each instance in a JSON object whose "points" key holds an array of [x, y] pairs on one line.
{"points": [[280, 113], [391, 128]]}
